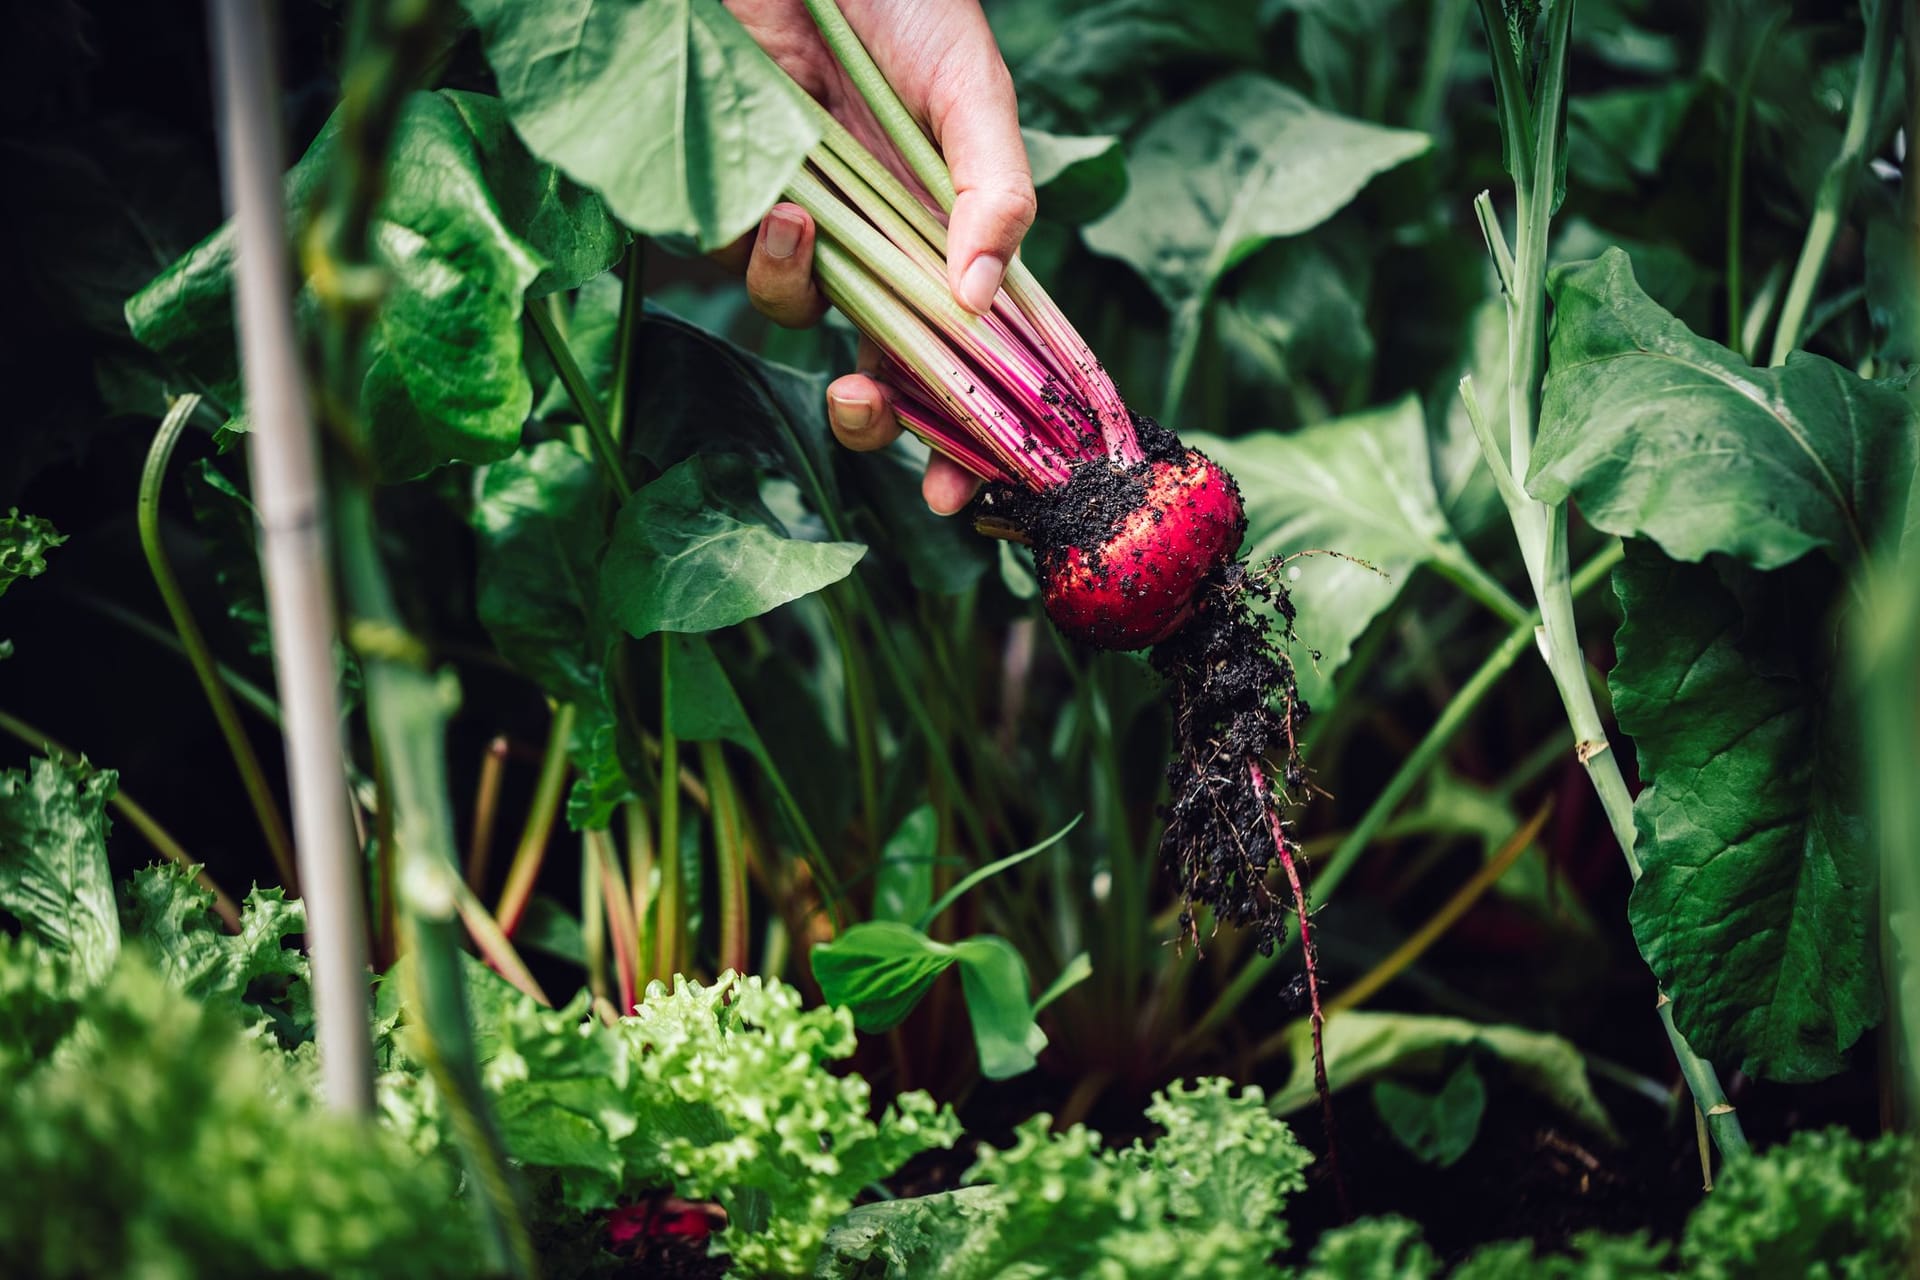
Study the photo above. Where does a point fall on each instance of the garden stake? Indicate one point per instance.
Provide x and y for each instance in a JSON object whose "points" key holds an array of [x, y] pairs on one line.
{"points": [[283, 463]]}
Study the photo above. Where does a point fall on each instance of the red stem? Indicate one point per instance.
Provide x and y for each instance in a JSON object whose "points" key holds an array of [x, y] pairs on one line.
{"points": [[1317, 1019]]}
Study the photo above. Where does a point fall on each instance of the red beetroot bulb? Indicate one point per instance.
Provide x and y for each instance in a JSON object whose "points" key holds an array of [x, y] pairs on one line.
{"points": [[1137, 586]]}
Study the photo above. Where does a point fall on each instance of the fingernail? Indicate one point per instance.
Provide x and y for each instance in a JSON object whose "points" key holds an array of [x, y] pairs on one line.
{"points": [[850, 415], [981, 282], [783, 233]]}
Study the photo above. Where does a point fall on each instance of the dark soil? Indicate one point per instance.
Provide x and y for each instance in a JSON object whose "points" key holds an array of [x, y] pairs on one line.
{"points": [[1235, 703]]}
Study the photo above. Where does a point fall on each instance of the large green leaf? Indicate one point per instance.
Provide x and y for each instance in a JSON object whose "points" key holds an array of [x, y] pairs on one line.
{"points": [[1359, 487], [667, 108], [444, 379], [53, 860], [1754, 909], [1660, 434], [540, 527], [1103, 69], [1244, 161], [1361, 1045], [680, 561], [1077, 178]]}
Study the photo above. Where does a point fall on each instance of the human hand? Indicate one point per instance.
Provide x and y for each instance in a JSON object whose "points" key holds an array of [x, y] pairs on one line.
{"points": [[941, 59]]}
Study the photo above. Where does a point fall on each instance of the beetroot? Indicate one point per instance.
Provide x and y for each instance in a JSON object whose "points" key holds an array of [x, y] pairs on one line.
{"points": [[1136, 586]]}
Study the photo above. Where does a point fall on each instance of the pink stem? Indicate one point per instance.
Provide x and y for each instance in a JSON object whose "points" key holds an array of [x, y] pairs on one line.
{"points": [[1318, 1019]]}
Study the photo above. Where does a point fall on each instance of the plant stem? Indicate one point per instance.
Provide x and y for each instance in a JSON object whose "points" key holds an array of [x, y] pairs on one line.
{"points": [[729, 847], [531, 851], [266, 809], [1417, 943], [633, 299], [1836, 185], [1737, 174], [1540, 529], [1310, 957], [496, 948], [389, 43], [256, 698], [486, 812], [1452, 718], [585, 403], [901, 128], [672, 896], [1443, 38], [620, 925], [640, 875], [136, 816], [283, 463]]}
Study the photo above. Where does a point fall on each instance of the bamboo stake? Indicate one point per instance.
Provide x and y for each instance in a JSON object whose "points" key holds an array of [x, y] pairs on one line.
{"points": [[283, 462]]}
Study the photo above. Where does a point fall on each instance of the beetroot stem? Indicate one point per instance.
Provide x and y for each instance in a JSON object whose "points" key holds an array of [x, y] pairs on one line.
{"points": [[1316, 1018]]}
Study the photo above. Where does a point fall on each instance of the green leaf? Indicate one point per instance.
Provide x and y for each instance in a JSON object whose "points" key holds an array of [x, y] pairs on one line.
{"points": [[703, 705], [667, 108], [1358, 487], [1296, 315], [444, 379], [566, 224], [1660, 434], [1824, 1202], [1619, 135], [1436, 1127], [698, 395], [1244, 161], [680, 561], [24, 543], [168, 911], [159, 1140], [1384, 1248], [1755, 906], [53, 860], [1361, 1046], [997, 989], [980, 875], [1103, 69], [1077, 178], [540, 528], [903, 884], [879, 969]]}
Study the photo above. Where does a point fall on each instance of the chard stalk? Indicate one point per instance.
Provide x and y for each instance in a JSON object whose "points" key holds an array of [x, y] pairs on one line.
{"points": [[889, 239]]}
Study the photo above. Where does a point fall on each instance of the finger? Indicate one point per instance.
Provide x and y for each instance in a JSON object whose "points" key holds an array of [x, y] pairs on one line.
{"points": [[780, 272], [977, 124], [948, 486], [859, 413]]}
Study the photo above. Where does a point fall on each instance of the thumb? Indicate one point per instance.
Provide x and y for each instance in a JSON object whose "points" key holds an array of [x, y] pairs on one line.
{"points": [[976, 122]]}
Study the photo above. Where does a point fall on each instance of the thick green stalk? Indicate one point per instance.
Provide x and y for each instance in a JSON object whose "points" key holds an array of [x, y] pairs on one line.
{"points": [[407, 702], [136, 815], [901, 128], [633, 305], [1453, 717], [1837, 184], [1541, 529], [266, 809]]}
